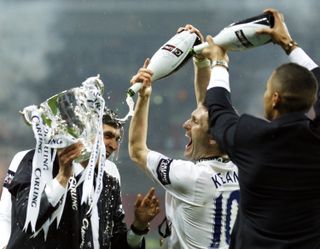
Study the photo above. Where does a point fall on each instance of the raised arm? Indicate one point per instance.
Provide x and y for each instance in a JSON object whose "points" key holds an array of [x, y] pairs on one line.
{"points": [[201, 68], [281, 36], [54, 190], [139, 123]]}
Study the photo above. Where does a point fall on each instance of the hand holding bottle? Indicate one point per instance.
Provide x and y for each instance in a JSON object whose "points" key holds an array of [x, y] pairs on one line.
{"points": [[242, 35], [279, 32], [144, 75], [215, 52]]}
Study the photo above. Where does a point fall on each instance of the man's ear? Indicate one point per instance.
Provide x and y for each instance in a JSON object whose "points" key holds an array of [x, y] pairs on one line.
{"points": [[276, 99]]}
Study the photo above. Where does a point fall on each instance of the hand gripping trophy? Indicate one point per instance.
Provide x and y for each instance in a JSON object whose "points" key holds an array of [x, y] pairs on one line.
{"points": [[63, 119], [69, 116]]}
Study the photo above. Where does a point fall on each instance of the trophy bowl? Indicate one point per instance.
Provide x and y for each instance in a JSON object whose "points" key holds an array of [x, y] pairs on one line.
{"points": [[70, 116]]}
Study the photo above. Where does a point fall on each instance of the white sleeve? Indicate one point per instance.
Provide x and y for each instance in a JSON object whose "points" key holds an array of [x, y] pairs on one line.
{"points": [[300, 57], [219, 78], [179, 177], [5, 201], [54, 191], [5, 217], [17, 159]]}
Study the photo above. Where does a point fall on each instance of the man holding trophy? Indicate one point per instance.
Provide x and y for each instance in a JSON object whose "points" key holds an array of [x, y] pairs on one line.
{"points": [[75, 134]]}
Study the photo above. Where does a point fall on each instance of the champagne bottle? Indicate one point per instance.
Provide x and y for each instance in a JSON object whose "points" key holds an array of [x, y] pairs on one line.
{"points": [[242, 35], [170, 57]]}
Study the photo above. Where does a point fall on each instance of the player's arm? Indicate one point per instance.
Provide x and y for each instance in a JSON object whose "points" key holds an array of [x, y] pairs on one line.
{"points": [[201, 78], [19, 189], [201, 68], [52, 193], [138, 129], [223, 117]]}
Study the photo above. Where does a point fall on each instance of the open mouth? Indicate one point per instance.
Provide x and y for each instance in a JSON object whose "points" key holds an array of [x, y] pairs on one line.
{"points": [[189, 143]]}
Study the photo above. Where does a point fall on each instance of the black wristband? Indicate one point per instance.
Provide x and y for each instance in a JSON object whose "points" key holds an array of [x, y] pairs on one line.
{"points": [[139, 232]]}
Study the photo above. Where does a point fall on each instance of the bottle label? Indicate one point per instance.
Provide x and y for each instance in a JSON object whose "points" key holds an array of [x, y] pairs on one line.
{"points": [[243, 39]]}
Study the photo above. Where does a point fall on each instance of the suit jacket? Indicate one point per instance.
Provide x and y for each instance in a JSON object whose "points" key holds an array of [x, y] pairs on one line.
{"points": [[279, 174], [112, 229]]}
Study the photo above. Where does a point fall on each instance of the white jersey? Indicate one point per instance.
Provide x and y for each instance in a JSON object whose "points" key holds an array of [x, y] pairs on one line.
{"points": [[201, 200]]}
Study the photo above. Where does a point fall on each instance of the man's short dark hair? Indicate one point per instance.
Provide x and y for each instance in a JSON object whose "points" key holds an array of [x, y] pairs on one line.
{"points": [[111, 118], [297, 85]]}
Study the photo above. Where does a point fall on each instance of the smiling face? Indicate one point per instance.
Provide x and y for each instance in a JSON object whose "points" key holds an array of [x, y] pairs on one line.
{"points": [[200, 144], [111, 138]]}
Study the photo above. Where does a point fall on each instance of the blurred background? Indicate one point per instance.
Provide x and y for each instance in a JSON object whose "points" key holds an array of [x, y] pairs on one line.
{"points": [[50, 46]]}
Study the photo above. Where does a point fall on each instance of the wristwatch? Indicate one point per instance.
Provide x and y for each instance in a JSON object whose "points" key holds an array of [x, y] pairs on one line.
{"points": [[220, 63], [289, 47]]}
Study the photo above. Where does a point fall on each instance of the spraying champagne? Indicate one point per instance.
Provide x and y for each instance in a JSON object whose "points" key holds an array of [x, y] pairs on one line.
{"points": [[242, 35]]}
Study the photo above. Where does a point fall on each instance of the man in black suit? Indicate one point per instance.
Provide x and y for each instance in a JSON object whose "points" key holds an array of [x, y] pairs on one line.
{"points": [[278, 158]]}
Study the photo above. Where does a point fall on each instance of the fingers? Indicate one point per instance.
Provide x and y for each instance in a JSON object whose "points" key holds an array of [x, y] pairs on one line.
{"points": [[150, 193], [192, 29], [155, 203], [210, 40], [214, 51], [144, 76], [150, 200], [266, 31], [277, 15], [68, 154], [147, 200], [138, 201], [147, 207], [146, 63], [274, 12]]}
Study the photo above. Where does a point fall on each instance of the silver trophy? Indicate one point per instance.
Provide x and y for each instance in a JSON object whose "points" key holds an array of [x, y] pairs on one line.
{"points": [[70, 116]]}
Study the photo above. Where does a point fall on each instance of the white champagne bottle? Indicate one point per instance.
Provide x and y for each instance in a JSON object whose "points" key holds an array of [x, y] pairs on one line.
{"points": [[242, 35], [170, 57]]}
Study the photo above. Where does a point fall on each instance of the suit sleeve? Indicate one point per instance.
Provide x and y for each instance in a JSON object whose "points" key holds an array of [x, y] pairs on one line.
{"points": [[20, 188], [223, 117]]}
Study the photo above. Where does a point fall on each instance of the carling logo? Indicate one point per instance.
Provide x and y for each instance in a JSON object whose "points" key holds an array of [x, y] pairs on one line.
{"points": [[163, 171]]}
